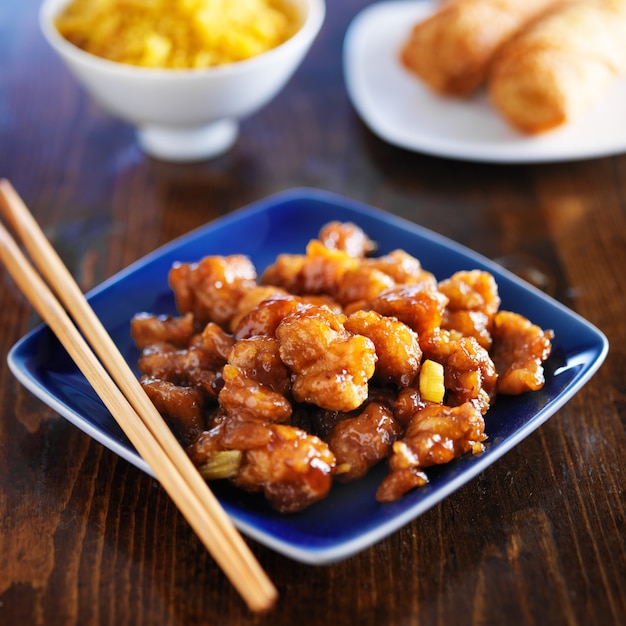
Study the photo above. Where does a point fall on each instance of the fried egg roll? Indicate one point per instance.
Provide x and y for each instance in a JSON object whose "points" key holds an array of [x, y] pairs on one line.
{"points": [[451, 50], [556, 69]]}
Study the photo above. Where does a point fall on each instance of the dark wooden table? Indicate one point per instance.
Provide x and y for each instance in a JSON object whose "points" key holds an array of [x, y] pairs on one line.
{"points": [[86, 538]]}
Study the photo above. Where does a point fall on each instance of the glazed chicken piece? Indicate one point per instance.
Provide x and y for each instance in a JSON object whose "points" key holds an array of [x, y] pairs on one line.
{"points": [[469, 372], [407, 402], [246, 397], [165, 362], [181, 407], [339, 249], [181, 381], [519, 350], [147, 330], [263, 319], [397, 347], [419, 306], [402, 268], [319, 271], [199, 364], [251, 299], [435, 434], [336, 265], [212, 288], [258, 358], [347, 237], [374, 276], [361, 441], [473, 301], [360, 285], [330, 366], [214, 341], [292, 468]]}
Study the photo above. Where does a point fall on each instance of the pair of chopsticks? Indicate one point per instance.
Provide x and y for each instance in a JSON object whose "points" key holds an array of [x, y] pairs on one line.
{"points": [[122, 394]]}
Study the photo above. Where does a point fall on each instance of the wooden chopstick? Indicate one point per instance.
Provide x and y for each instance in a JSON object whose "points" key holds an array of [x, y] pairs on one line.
{"points": [[126, 400]]}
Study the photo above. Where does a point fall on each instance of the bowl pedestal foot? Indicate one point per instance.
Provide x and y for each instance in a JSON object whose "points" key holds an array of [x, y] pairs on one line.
{"points": [[170, 143]]}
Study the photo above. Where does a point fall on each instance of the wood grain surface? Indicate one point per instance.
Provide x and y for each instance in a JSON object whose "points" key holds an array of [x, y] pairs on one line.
{"points": [[87, 539]]}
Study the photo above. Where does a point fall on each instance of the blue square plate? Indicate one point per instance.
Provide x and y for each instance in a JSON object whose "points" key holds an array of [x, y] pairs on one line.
{"points": [[349, 519]]}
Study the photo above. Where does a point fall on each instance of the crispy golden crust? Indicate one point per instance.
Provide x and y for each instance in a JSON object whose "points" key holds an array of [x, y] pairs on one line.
{"points": [[559, 66], [451, 50]]}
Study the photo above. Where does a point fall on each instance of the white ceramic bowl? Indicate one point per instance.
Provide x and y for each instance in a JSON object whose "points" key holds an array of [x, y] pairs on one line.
{"points": [[186, 115]]}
